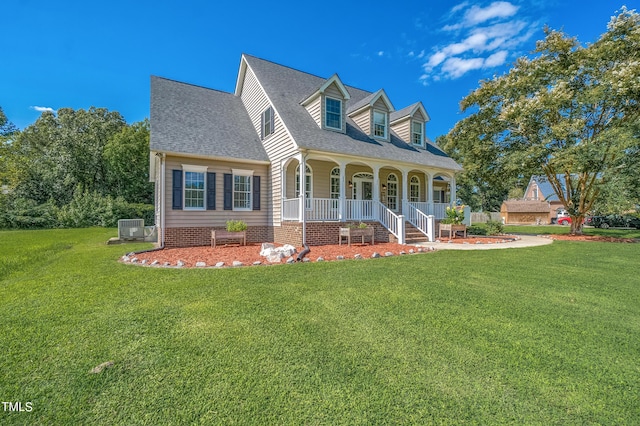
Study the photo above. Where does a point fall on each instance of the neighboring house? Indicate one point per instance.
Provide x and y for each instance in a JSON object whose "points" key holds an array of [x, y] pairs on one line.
{"points": [[520, 212], [217, 156], [539, 189]]}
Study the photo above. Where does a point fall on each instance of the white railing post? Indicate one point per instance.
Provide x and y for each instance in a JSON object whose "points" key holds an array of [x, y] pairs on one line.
{"points": [[431, 228], [401, 230]]}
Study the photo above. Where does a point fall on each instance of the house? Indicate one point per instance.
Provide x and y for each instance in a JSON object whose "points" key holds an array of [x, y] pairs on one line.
{"points": [[539, 189], [294, 156], [525, 212]]}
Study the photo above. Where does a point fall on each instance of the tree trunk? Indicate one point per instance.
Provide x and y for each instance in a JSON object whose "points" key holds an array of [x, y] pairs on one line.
{"points": [[576, 224]]}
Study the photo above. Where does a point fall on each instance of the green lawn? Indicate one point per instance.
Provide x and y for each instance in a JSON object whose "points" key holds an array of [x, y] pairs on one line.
{"points": [[545, 335]]}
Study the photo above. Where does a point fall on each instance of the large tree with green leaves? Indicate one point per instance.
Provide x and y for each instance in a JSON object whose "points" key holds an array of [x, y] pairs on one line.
{"points": [[569, 112], [60, 153]]}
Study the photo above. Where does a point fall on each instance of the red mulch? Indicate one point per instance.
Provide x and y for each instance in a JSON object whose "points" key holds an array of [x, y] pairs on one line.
{"points": [[568, 237], [251, 253]]}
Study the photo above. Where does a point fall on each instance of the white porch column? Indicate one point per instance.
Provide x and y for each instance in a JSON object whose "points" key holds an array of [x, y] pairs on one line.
{"points": [[405, 187], [376, 183], [283, 187], [343, 192], [453, 191], [429, 181], [302, 173]]}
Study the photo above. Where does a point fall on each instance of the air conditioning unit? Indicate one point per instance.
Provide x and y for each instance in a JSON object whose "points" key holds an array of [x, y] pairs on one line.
{"points": [[131, 229]]}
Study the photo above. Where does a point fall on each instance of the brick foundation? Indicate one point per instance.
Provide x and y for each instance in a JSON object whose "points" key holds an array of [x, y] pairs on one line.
{"points": [[318, 234], [201, 236], [323, 233]]}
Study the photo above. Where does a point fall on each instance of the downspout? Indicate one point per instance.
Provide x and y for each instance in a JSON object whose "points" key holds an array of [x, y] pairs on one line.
{"points": [[162, 197], [303, 193]]}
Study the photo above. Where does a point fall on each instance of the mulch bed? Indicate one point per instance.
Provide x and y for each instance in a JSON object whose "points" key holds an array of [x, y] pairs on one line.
{"points": [[568, 237], [250, 253]]}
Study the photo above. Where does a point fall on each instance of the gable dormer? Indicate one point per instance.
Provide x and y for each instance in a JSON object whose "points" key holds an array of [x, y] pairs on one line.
{"points": [[410, 124], [327, 105], [371, 114]]}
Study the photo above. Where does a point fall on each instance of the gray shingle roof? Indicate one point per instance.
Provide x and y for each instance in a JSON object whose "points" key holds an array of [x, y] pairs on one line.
{"points": [[287, 86], [404, 112], [194, 120]]}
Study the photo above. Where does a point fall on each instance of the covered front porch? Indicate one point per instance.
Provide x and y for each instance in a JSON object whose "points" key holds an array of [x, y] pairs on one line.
{"points": [[342, 190]]}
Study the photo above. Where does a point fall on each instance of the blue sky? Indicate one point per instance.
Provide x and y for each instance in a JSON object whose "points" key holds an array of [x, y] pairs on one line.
{"points": [[80, 54]]}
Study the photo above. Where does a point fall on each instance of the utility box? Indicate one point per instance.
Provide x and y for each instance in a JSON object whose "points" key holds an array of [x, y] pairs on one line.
{"points": [[131, 229]]}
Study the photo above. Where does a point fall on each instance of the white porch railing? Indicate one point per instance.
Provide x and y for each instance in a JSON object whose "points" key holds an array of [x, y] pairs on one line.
{"points": [[393, 222], [359, 210], [325, 209], [424, 223], [438, 210], [328, 209], [291, 209]]}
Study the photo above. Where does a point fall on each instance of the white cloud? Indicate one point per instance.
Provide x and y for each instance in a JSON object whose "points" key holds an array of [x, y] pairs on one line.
{"points": [[496, 60], [43, 109], [499, 9], [477, 37], [381, 53]]}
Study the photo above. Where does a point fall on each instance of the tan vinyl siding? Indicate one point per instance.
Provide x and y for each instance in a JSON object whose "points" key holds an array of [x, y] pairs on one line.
{"points": [[278, 145], [315, 110], [418, 116], [380, 105], [363, 121], [403, 129], [333, 91], [219, 216]]}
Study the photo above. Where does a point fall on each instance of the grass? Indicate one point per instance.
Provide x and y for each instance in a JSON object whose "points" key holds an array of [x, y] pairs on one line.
{"points": [[559, 229], [544, 335]]}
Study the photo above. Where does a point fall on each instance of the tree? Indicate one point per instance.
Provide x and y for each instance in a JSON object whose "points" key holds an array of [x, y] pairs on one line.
{"points": [[569, 112], [58, 154], [126, 157]]}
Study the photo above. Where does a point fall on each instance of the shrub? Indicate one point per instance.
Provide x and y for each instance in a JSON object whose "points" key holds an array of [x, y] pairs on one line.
{"points": [[454, 215], [494, 227], [477, 230], [236, 226], [21, 213]]}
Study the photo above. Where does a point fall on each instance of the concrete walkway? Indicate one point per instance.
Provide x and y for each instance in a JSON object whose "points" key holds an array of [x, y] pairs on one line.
{"points": [[524, 241]]}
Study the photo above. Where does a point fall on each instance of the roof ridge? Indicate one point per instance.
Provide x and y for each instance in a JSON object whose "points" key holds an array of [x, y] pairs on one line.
{"points": [[192, 85], [310, 74]]}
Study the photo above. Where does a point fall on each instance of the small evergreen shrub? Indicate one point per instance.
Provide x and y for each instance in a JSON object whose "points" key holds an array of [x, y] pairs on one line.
{"points": [[236, 226], [494, 227]]}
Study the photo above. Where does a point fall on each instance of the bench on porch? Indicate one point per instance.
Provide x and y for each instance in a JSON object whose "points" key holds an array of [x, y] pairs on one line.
{"points": [[228, 235]]}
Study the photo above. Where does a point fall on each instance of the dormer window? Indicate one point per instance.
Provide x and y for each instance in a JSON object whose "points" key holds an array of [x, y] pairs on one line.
{"points": [[417, 132], [380, 124], [333, 113], [267, 123]]}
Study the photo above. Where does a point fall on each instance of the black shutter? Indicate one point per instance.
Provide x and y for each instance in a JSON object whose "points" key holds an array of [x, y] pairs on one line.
{"points": [[256, 193], [211, 191], [228, 191], [262, 135], [177, 189]]}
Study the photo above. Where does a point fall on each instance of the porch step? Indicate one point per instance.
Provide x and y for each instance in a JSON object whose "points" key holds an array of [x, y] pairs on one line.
{"points": [[412, 235]]}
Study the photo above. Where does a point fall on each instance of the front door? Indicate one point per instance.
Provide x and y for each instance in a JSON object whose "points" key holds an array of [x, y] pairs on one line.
{"points": [[363, 193]]}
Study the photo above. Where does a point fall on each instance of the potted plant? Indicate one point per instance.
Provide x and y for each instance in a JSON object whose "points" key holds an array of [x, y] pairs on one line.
{"points": [[453, 222]]}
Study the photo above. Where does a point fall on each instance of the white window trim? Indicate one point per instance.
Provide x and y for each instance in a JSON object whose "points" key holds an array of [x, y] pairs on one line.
{"points": [[308, 174], [244, 173], [326, 98], [392, 179], [414, 181], [386, 123], [263, 121], [421, 133], [193, 169]]}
